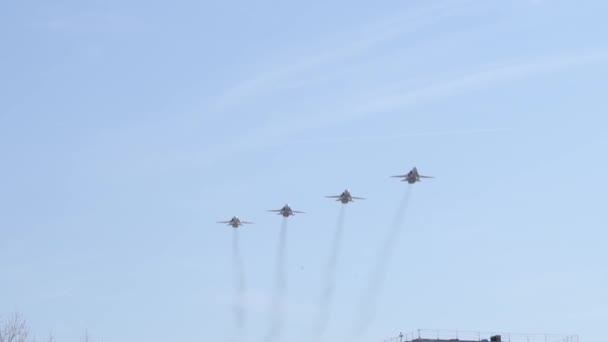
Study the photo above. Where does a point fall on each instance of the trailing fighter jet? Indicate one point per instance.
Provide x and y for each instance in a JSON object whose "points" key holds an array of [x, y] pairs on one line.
{"points": [[235, 222], [412, 177], [286, 211], [345, 197]]}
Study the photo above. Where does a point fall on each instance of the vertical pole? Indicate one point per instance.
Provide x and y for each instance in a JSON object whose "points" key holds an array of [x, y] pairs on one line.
{"points": [[400, 337]]}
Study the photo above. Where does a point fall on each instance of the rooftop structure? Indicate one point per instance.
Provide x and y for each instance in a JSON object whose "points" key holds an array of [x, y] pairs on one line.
{"points": [[427, 335]]}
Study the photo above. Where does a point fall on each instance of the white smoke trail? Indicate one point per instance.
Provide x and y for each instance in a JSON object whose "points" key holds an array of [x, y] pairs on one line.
{"points": [[329, 279], [367, 308], [239, 284], [276, 323]]}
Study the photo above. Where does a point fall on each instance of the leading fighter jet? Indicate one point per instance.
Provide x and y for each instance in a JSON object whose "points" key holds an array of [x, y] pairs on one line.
{"points": [[286, 211], [345, 197], [235, 222], [412, 177]]}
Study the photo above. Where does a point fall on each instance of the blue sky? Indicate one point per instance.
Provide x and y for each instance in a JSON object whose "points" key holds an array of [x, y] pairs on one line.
{"points": [[127, 128]]}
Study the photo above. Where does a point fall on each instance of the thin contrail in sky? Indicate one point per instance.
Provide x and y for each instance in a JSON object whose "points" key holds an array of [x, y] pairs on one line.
{"points": [[372, 138], [239, 284], [277, 313], [330, 273], [369, 300]]}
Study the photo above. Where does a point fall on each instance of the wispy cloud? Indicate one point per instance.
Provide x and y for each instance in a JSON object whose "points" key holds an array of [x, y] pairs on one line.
{"points": [[402, 96], [64, 20], [398, 96], [301, 63]]}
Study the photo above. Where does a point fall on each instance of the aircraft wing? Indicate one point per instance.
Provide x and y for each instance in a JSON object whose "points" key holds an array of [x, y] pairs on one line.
{"points": [[223, 222], [246, 222], [358, 197], [333, 196], [401, 176], [425, 176], [275, 211], [298, 212]]}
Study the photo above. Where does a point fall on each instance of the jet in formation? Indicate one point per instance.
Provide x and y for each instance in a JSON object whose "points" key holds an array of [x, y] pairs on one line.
{"points": [[412, 177], [235, 222], [286, 211], [345, 197]]}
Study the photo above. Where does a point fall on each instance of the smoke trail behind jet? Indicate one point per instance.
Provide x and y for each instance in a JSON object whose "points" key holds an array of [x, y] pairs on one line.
{"points": [[277, 313], [369, 300], [329, 276], [239, 284]]}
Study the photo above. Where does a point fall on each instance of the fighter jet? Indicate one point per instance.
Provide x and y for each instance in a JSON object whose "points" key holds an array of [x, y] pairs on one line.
{"points": [[286, 211], [235, 222], [412, 177], [345, 197]]}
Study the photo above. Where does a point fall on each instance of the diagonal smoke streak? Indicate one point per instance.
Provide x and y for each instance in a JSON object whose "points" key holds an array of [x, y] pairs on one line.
{"points": [[239, 284], [276, 323], [369, 300], [329, 279]]}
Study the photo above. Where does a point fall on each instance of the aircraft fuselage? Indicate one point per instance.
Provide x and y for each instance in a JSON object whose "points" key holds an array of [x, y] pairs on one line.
{"points": [[413, 176], [235, 222]]}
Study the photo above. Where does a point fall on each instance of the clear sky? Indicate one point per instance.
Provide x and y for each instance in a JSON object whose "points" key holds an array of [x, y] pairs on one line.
{"points": [[128, 128]]}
